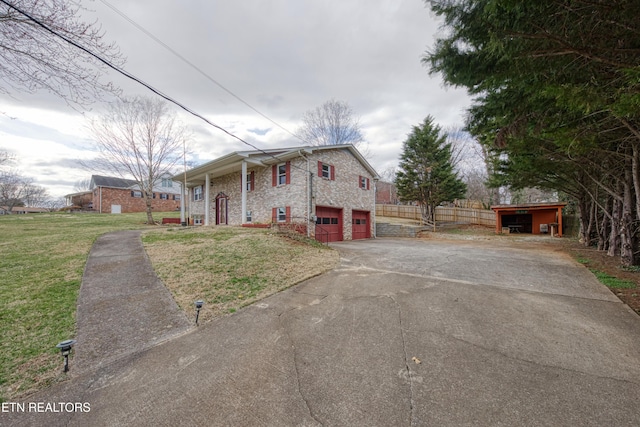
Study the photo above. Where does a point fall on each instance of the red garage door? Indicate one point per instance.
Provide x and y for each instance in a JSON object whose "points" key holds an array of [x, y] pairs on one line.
{"points": [[328, 224], [360, 226]]}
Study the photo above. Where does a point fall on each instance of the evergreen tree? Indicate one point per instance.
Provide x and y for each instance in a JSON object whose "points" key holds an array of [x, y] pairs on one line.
{"points": [[557, 97], [426, 173]]}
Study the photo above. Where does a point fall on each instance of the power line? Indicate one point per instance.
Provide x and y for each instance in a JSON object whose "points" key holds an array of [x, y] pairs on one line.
{"points": [[137, 80], [195, 67]]}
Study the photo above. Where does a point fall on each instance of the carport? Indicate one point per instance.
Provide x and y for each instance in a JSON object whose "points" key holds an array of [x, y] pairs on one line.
{"points": [[531, 218]]}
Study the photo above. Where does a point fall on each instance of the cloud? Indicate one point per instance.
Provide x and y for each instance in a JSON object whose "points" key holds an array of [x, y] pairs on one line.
{"points": [[284, 57]]}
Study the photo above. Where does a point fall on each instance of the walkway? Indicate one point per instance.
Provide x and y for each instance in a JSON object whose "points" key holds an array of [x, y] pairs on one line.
{"points": [[123, 307]]}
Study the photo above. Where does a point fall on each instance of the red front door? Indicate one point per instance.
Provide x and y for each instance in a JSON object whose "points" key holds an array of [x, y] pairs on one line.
{"points": [[328, 224]]}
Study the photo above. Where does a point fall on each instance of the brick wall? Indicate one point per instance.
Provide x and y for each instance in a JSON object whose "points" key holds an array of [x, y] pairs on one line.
{"points": [[122, 197]]}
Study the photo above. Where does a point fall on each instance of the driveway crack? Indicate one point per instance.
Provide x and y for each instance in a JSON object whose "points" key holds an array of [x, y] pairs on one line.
{"points": [[406, 359], [295, 365]]}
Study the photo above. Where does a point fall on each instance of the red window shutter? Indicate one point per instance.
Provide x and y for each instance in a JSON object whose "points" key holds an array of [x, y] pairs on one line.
{"points": [[288, 172], [241, 187], [274, 215], [274, 175], [332, 171], [367, 183], [288, 213], [360, 181], [252, 180], [319, 169]]}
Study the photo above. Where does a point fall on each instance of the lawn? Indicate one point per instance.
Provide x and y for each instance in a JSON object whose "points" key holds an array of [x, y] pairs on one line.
{"points": [[42, 259], [231, 267]]}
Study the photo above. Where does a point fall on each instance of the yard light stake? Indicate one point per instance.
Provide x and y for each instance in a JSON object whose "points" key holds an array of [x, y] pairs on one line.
{"points": [[199, 305], [65, 349]]}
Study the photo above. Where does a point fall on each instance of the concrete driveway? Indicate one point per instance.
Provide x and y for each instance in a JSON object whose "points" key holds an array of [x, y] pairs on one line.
{"points": [[403, 332]]}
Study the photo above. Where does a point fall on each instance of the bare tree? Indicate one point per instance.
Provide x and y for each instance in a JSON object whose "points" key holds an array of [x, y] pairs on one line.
{"points": [[331, 123], [17, 190], [139, 138], [54, 203], [34, 195], [5, 158], [82, 185], [33, 58]]}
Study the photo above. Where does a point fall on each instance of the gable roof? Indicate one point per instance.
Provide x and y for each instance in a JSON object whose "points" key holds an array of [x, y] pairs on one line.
{"points": [[112, 181], [233, 162]]}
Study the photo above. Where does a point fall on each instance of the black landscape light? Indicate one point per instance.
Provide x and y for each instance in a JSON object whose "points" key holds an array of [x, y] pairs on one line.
{"points": [[65, 348], [199, 305]]}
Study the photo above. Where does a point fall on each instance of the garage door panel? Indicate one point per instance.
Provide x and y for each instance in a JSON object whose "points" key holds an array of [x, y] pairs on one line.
{"points": [[360, 226], [328, 224]]}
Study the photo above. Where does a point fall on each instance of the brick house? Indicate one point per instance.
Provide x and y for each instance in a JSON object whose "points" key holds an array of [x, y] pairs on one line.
{"points": [[386, 193], [327, 192], [118, 195]]}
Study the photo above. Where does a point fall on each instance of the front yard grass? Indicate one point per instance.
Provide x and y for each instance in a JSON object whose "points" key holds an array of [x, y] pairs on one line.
{"points": [[230, 267], [42, 259]]}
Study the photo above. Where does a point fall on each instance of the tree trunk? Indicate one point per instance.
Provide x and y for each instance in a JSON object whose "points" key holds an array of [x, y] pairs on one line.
{"points": [[603, 229], [585, 210], [627, 229], [148, 198], [614, 233]]}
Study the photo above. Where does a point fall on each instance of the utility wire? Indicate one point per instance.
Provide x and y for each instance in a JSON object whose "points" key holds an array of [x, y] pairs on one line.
{"points": [[199, 70], [137, 80]]}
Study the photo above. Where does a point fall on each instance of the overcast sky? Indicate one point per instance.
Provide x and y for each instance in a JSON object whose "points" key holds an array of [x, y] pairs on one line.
{"points": [[283, 57]]}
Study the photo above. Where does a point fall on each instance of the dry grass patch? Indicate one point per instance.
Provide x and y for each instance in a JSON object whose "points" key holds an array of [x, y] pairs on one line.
{"points": [[231, 267]]}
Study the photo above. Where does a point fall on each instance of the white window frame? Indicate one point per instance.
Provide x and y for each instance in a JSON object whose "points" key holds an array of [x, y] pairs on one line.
{"points": [[137, 194], [363, 182], [282, 214], [282, 173], [248, 182], [326, 171], [164, 196], [197, 220], [166, 183], [249, 217], [198, 193]]}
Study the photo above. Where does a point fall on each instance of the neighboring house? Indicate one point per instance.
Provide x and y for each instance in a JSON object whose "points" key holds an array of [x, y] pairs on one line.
{"points": [[327, 192], [4, 210], [118, 195], [386, 193]]}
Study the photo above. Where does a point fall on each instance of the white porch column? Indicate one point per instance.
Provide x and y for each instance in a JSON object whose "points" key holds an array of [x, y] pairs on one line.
{"points": [[207, 198], [244, 192]]}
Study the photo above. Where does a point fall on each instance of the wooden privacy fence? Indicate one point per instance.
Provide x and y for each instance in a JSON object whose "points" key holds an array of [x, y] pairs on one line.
{"points": [[443, 214]]}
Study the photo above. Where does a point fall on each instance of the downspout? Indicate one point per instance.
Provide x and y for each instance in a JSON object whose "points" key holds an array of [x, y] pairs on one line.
{"points": [[308, 195]]}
